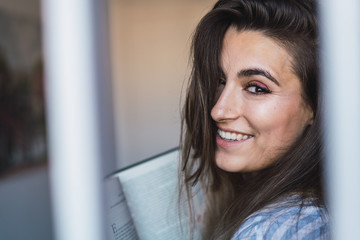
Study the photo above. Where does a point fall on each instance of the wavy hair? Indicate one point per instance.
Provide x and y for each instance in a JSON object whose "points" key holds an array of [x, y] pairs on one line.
{"points": [[231, 197]]}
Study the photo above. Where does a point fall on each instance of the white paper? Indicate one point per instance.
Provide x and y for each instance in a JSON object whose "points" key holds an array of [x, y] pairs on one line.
{"points": [[120, 225], [151, 190]]}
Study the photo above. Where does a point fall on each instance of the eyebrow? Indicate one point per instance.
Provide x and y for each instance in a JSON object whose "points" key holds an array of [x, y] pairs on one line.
{"points": [[257, 71]]}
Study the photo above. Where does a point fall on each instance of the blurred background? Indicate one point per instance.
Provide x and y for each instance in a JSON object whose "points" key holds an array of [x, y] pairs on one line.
{"points": [[148, 63], [149, 43]]}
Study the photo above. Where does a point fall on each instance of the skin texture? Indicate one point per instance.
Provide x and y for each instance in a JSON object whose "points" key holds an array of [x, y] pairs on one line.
{"points": [[259, 96]]}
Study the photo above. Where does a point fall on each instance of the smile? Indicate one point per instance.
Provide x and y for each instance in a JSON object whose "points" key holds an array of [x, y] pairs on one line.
{"points": [[229, 136]]}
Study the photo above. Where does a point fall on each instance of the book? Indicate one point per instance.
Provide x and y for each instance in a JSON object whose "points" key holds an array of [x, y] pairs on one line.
{"points": [[142, 201]]}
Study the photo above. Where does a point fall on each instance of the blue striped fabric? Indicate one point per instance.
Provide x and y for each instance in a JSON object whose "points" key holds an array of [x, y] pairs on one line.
{"points": [[286, 220]]}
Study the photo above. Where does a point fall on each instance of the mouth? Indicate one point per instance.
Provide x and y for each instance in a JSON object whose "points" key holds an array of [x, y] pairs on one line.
{"points": [[232, 136]]}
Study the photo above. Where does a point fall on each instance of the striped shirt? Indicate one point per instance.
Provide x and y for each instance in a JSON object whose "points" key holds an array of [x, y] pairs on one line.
{"points": [[285, 220]]}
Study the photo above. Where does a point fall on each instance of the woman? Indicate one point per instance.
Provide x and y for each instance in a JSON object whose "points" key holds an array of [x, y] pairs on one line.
{"points": [[251, 122]]}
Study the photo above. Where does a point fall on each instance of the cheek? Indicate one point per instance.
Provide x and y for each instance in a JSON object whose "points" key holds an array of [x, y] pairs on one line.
{"points": [[278, 120], [263, 115]]}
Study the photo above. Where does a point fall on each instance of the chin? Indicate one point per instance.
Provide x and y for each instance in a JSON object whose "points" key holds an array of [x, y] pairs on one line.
{"points": [[236, 164], [230, 165]]}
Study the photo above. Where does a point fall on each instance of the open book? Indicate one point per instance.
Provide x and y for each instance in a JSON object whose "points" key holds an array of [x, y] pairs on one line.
{"points": [[143, 201]]}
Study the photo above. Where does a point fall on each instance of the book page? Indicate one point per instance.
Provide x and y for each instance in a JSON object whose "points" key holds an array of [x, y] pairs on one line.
{"points": [[151, 190], [120, 225]]}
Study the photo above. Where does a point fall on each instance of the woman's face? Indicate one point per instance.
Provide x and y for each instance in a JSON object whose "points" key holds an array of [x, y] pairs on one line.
{"points": [[259, 111]]}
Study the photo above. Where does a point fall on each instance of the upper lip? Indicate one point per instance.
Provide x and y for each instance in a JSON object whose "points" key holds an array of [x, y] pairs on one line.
{"points": [[233, 131]]}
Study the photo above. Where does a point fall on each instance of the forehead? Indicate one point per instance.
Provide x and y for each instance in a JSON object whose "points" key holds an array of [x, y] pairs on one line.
{"points": [[253, 49]]}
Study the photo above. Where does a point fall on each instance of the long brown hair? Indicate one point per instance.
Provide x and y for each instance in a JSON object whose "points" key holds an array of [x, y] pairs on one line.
{"points": [[231, 197]]}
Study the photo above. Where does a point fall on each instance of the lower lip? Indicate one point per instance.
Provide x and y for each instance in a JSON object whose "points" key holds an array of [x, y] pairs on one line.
{"points": [[223, 143]]}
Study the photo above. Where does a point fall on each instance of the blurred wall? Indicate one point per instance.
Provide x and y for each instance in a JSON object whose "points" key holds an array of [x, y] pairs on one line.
{"points": [[25, 206], [26, 8], [150, 41]]}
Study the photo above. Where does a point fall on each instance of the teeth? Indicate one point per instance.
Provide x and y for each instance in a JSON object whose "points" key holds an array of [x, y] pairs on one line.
{"points": [[239, 137], [232, 136], [228, 135], [222, 134]]}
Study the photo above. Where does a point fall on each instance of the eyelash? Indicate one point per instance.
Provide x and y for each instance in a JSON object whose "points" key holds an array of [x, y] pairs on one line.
{"points": [[263, 90]]}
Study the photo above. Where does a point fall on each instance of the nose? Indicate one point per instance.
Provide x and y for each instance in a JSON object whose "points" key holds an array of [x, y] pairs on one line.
{"points": [[228, 106]]}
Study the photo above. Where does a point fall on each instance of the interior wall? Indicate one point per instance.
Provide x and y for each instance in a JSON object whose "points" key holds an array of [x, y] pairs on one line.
{"points": [[150, 42]]}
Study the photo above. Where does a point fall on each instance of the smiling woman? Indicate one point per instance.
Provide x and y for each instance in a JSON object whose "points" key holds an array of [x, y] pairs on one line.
{"points": [[251, 122]]}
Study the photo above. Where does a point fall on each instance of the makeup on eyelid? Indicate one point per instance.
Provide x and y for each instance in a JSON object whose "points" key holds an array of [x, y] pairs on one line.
{"points": [[256, 84]]}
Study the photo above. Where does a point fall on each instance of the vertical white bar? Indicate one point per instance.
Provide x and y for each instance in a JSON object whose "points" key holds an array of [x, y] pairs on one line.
{"points": [[340, 82], [73, 121]]}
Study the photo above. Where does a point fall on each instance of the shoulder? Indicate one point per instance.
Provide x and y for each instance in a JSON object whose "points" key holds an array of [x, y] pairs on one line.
{"points": [[286, 220]]}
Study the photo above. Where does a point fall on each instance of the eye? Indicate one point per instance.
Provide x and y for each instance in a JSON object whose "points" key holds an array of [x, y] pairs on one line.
{"points": [[222, 81], [257, 88]]}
